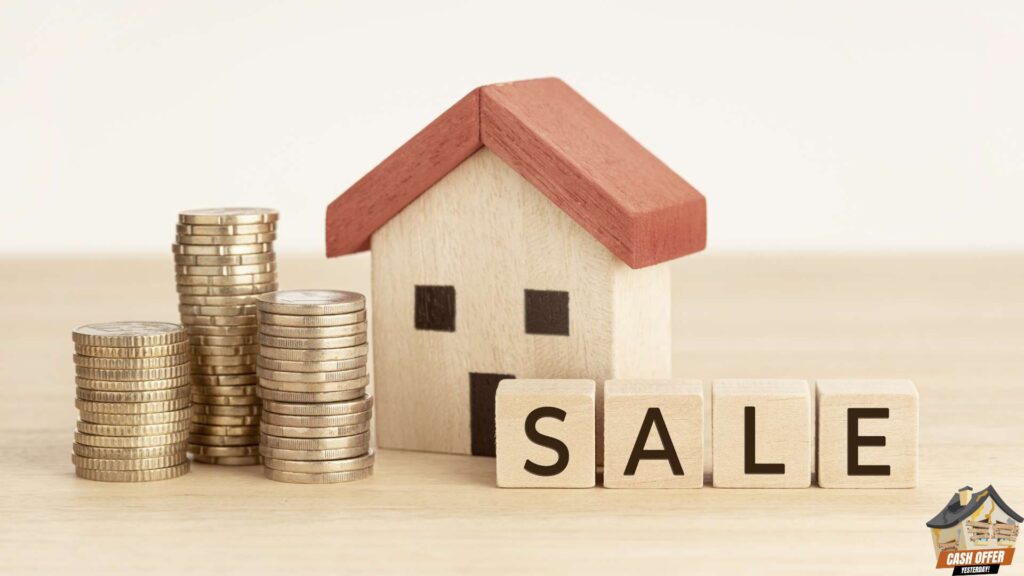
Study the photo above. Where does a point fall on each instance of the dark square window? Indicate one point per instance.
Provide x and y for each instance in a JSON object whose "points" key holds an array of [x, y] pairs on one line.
{"points": [[547, 312], [435, 308]]}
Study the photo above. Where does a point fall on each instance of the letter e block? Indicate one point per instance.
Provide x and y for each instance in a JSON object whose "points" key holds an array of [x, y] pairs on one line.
{"points": [[545, 433], [762, 433], [867, 434], [653, 434]]}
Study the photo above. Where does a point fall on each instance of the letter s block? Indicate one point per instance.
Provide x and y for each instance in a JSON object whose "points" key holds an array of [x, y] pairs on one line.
{"points": [[867, 434], [653, 434], [545, 433]]}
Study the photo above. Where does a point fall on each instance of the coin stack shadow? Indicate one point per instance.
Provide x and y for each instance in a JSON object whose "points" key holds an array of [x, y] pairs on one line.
{"points": [[224, 259], [132, 395], [316, 415]]}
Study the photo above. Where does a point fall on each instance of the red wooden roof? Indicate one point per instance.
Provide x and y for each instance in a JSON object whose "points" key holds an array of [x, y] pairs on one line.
{"points": [[641, 210]]}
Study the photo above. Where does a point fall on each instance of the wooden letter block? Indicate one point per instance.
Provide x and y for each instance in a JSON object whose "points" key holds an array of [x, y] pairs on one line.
{"points": [[653, 434], [545, 433], [867, 434], [762, 436]]}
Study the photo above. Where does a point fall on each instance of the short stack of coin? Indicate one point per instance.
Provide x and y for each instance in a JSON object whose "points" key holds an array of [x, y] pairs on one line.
{"points": [[132, 389], [312, 366], [224, 259]]}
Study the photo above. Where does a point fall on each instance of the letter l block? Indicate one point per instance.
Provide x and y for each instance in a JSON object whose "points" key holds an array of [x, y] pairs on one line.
{"points": [[545, 433]]}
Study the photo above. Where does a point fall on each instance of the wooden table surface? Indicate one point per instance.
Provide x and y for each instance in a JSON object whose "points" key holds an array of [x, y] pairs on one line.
{"points": [[953, 324]]}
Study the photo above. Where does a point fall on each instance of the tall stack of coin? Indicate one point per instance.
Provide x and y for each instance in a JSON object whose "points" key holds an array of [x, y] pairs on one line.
{"points": [[312, 367], [132, 391], [224, 259]]}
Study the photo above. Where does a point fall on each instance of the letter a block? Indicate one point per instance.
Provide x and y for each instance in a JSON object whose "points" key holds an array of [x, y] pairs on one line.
{"points": [[653, 434], [867, 434], [762, 434], [545, 433]]}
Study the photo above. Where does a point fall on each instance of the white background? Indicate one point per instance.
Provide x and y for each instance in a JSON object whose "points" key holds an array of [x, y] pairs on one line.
{"points": [[852, 126]]}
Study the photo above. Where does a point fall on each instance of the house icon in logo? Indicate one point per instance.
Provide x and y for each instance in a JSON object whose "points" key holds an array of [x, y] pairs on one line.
{"points": [[975, 529]]}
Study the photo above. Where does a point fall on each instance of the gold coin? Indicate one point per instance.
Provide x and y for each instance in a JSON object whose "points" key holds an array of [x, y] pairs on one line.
{"points": [[211, 420], [299, 320], [357, 440], [307, 432], [202, 440], [222, 250], [312, 332], [311, 397], [139, 464], [251, 400], [328, 409], [322, 355], [194, 320], [200, 340], [328, 478], [129, 441], [225, 380], [132, 375], [130, 363], [312, 302], [210, 350], [141, 396], [240, 370], [194, 310], [133, 351], [321, 466], [228, 216], [356, 370], [225, 260], [134, 475], [128, 334], [186, 269], [340, 386], [221, 451], [205, 430], [135, 419], [313, 343], [236, 280], [224, 229], [297, 366], [214, 410], [153, 430], [306, 455], [316, 421], [228, 460], [132, 407], [241, 390], [86, 451], [238, 290], [242, 300], [132, 386], [228, 240], [245, 360]]}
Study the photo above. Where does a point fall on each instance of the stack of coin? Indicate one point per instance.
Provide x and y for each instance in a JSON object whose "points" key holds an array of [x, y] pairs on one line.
{"points": [[224, 259], [132, 391], [312, 366]]}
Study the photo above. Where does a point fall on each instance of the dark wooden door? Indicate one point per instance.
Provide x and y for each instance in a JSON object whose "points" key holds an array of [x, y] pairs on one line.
{"points": [[482, 389]]}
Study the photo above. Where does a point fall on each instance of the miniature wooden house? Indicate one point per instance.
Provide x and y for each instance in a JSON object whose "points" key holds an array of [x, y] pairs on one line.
{"points": [[520, 234], [975, 521]]}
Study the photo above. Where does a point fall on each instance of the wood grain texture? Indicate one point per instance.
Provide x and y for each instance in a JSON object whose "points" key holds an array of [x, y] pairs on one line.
{"points": [[545, 433], [923, 317], [491, 235], [898, 427], [408, 172], [679, 406], [762, 433], [583, 162]]}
